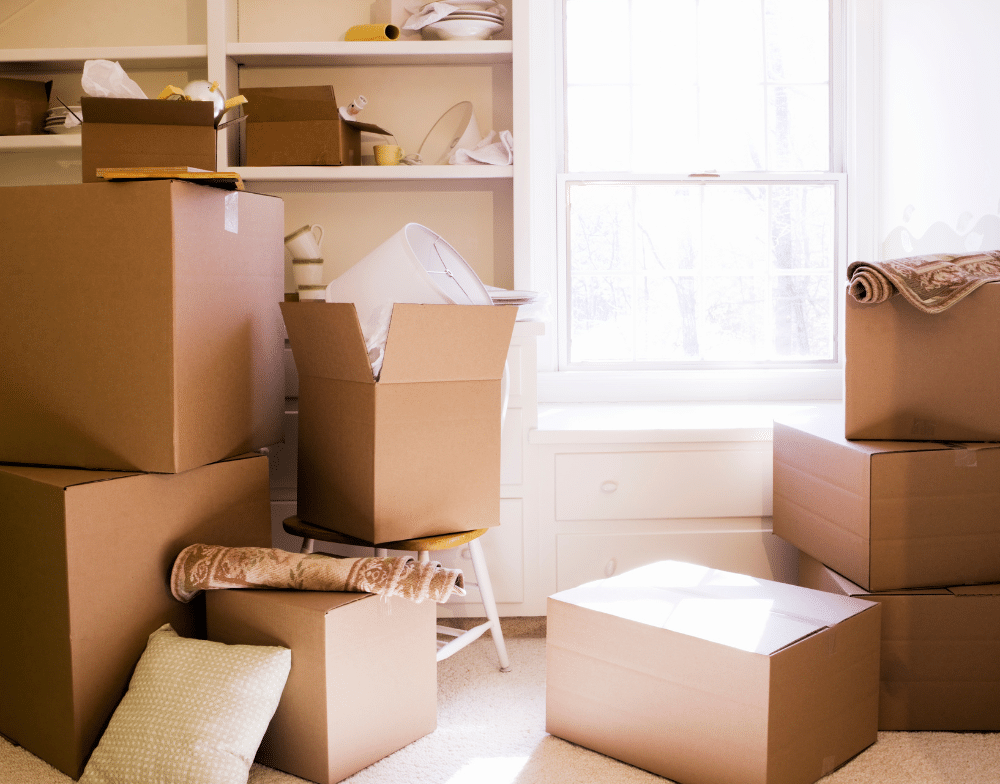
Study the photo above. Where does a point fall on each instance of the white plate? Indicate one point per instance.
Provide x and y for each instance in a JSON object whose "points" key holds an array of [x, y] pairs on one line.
{"points": [[473, 15], [475, 4], [447, 132], [449, 29]]}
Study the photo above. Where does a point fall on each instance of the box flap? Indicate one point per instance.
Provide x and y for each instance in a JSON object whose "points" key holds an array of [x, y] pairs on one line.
{"points": [[55, 476], [326, 340], [282, 104], [447, 342], [139, 111], [731, 609], [830, 427]]}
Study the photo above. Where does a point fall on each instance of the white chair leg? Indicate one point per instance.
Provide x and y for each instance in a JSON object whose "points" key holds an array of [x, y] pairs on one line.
{"points": [[489, 603]]}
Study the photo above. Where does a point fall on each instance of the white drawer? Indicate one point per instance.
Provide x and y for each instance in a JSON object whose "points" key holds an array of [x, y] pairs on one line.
{"points": [[661, 485], [581, 558]]}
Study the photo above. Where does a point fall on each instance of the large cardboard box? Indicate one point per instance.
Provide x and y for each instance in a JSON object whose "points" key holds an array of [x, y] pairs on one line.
{"points": [[300, 126], [916, 376], [709, 677], [86, 580], [137, 132], [888, 514], [940, 652], [140, 328], [23, 104], [363, 682], [417, 452]]}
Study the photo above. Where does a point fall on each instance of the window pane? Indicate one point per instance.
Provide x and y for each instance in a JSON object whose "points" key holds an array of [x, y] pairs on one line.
{"points": [[728, 272]]}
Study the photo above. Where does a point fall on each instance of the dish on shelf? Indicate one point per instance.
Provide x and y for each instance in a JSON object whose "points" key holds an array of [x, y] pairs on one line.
{"points": [[55, 119], [456, 127], [451, 29]]}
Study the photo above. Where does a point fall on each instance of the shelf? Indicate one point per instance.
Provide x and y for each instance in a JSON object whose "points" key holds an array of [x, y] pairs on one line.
{"points": [[45, 141], [43, 61], [371, 53], [371, 173]]}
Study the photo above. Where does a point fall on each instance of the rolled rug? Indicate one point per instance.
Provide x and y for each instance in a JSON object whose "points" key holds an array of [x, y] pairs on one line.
{"points": [[931, 283], [201, 567]]}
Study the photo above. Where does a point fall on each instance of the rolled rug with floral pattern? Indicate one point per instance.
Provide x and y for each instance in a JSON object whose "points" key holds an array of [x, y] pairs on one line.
{"points": [[202, 567], [931, 283]]}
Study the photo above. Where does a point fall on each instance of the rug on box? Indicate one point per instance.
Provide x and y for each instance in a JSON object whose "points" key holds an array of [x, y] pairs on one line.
{"points": [[931, 283], [201, 567]]}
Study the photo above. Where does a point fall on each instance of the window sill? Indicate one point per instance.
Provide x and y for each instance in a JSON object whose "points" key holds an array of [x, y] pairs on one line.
{"points": [[606, 423]]}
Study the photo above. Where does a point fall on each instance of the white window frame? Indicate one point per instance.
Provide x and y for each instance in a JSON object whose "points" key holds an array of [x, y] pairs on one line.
{"points": [[556, 384]]}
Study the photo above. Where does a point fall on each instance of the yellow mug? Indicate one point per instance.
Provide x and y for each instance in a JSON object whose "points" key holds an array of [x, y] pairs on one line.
{"points": [[388, 154]]}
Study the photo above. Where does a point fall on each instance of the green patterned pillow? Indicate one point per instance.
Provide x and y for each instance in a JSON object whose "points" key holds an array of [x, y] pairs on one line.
{"points": [[195, 711]]}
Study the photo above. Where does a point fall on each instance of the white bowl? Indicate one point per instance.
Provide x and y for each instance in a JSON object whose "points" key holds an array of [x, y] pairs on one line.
{"points": [[460, 30]]}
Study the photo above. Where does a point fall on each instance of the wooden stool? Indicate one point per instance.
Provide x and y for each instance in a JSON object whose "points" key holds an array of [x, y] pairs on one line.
{"points": [[422, 546]]}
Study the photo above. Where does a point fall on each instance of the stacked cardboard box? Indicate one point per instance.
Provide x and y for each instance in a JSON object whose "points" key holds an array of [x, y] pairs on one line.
{"points": [[142, 351], [896, 499]]}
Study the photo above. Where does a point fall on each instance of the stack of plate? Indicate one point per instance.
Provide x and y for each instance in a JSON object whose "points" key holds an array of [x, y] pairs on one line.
{"points": [[55, 119], [472, 20]]}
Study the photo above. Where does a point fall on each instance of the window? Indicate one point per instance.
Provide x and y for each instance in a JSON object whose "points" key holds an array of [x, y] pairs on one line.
{"points": [[700, 193]]}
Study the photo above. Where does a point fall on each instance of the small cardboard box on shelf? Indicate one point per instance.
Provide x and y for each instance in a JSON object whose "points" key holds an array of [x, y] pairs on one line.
{"points": [[705, 676], [940, 652], [921, 376], [23, 104], [135, 132], [416, 453], [363, 682], [89, 555], [300, 126], [141, 329], [888, 514]]}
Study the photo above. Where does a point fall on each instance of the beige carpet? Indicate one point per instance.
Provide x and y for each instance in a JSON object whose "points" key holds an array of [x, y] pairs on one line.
{"points": [[491, 730]]}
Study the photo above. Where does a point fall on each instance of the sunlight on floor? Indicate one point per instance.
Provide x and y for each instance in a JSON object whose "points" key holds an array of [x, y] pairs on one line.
{"points": [[489, 770]]}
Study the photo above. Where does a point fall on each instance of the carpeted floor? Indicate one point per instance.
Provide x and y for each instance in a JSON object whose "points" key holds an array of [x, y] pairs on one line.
{"points": [[491, 730]]}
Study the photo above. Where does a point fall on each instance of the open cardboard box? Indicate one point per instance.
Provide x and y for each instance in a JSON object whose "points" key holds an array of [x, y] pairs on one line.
{"points": [[135, 132], [363, 682], [301, 126], [23, 104], [709, 677], [141, 328], [86, 580], [888, 514], [940, 652], [917, 376], [416, 453]]}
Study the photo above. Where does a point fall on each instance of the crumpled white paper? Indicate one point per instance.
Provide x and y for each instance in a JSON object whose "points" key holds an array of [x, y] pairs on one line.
{"points": [[424, 14], [496, 149], [106, 79]]}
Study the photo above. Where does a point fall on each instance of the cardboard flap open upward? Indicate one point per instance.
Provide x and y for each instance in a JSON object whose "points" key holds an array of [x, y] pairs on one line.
{"points": [[447, 342], [140, 111], [742, 612], [326, 340]]}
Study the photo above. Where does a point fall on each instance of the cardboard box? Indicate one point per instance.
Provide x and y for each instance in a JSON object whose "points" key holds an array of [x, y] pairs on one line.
{"points": [[940, 653], [709, 677], [888, 514], [140, 329], [914, 376], [23, 105], [132, 132], [363, 682], [86, 581], [417, 452], [300, 126]]}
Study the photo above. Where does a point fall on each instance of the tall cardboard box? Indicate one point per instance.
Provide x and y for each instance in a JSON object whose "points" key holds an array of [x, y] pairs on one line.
{"points": [[416, 453], [940, 668], [140, 329], [916, 376], [137, 132], [89, 555], [888, 514], [710, 677], [363, 682], [301, 126]]}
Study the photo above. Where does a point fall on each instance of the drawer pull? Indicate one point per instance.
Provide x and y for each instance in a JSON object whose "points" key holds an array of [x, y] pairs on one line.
{"points": [[610, 567], [609, 487]]}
